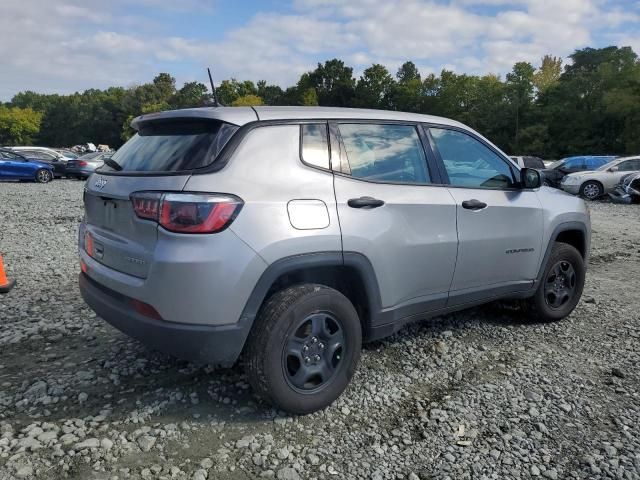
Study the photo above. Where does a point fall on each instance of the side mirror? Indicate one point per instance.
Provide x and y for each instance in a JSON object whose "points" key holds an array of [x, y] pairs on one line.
{"points": [[530, 178], [613, 169]]}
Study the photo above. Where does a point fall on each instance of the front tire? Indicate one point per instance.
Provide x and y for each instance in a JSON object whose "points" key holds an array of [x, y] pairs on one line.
{"points": [[43, 176], [561, 287], [591, 190], [304, 348]]}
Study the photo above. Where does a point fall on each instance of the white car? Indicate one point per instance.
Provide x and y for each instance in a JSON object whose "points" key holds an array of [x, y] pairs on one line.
{"points": [[594, 184], [44, 150]]}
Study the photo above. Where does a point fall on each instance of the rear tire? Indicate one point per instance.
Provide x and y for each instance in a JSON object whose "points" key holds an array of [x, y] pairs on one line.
{"points": [[591, 190], [43, 176], [561, 286], [304, 348]]}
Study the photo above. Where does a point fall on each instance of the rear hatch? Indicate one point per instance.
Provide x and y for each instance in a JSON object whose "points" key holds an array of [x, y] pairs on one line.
{"points": [[159, 158]]}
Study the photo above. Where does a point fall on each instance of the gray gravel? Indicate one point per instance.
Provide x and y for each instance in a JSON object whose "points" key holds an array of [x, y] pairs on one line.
{"points": [[479, 394]]}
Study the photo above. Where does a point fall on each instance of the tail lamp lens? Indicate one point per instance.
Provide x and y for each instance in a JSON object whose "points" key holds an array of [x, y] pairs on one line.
{"points": [[82, 163], [147, 204], [187, 212]]}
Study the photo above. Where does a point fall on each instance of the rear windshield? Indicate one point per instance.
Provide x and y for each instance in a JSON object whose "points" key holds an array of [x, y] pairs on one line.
{"points": [[173, 147]]}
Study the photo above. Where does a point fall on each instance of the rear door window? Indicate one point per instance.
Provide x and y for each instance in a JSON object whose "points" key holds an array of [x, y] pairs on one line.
{"points": [[173, 146], [385, 153]]}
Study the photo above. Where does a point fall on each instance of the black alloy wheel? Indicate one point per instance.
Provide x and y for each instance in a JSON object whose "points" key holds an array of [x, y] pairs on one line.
{"points": [[313, 352], [560, 284]]}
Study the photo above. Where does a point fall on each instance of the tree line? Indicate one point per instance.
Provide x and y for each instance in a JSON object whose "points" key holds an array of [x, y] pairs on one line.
{"points": [[591, 105]]}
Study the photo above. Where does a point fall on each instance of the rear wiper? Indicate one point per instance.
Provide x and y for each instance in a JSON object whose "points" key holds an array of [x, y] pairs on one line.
{"points": [[113, 164]]}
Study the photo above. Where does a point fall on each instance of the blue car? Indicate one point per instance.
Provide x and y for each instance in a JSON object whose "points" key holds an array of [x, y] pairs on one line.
{"points": [[14, 166]]}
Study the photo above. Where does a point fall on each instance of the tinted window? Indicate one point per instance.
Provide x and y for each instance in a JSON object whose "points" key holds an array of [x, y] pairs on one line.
{"points": [[469, 163], [315, 146], [47, 157], [174, 146], [629, 165], [10, 155], [385, 153], [533, 162], [593, 163], [574, 163]]}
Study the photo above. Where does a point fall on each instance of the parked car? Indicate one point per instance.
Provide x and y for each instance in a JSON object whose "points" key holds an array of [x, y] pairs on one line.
{"points": [[529, 162], [628, 190], [15, 166], [554, 173], [592, 185], [46, 155], [85, 165], [70, 155], [292, 234]]}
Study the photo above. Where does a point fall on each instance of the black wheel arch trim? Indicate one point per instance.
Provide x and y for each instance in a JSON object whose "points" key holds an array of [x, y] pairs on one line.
{"points": [[560, 228], [292, 264]]}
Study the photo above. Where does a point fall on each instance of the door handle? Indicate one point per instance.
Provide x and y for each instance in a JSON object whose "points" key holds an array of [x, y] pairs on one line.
{"points": [[473, 204], [365, 202]]}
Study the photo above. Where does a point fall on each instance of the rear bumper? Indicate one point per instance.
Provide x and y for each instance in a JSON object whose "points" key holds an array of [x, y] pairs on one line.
{"points": [[218, 345]]}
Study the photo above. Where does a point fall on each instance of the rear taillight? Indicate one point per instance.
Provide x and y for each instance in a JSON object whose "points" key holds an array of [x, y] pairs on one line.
{"points": [[187, 212], [82, 163], [147, 204]]}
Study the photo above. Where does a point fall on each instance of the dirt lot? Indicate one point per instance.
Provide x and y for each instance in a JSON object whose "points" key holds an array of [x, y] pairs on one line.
{"points": [[479, 394]]}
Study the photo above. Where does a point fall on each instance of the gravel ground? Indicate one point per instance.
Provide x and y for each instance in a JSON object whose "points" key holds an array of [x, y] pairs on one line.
{"points": [[478, 394]]}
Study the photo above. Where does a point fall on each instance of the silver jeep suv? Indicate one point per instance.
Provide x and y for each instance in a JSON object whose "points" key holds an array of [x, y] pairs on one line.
{"points": [[290, 235]]}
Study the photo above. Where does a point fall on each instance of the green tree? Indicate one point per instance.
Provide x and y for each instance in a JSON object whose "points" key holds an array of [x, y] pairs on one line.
{"points": [[18, 126], [271, 94], [192, 94], [590, 108], [548, 74], [520, 93], [334, 83], [310, 97], [247, 101], [230, 90], [408, 72], [374, 88]]}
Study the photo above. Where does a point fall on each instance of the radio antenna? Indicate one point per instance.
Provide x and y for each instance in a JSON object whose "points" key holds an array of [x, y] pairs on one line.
{"points": [[213, 89]]}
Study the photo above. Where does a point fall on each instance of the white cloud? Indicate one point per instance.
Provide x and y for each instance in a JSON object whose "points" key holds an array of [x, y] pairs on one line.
{"points": [[72, 44]]}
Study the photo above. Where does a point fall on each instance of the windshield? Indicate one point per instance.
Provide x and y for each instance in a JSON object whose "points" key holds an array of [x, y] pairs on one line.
{"points": [[557, 163], [173, 146]]}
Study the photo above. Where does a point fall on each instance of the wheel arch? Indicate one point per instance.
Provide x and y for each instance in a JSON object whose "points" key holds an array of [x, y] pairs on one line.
{"points": [[575, 234], [350, 273]]}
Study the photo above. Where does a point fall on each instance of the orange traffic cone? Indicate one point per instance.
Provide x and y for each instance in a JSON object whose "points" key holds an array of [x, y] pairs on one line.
{"points": [[5, 284]]}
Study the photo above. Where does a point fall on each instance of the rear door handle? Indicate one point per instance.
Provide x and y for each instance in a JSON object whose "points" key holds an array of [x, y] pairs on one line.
{"points": [[473, 204], [365, 202]]}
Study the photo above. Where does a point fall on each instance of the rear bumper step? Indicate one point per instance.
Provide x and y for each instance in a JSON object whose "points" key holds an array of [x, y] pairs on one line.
{"points": [[219, 345]]}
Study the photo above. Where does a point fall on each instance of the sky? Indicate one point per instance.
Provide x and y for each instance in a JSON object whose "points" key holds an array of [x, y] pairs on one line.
{"points": [[63, 46]]}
